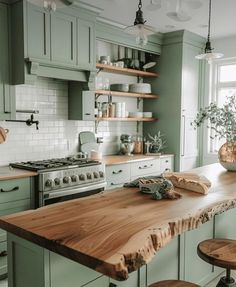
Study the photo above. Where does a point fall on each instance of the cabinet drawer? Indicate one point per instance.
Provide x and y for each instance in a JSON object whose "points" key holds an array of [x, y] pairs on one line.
{"points": [[11, 190], [117, 175], [10, 208], [3, 258], [146, 167], [166, 164]]}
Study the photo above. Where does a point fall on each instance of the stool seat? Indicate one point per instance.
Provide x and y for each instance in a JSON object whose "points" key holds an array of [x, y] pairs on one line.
{"points": [[173, 283], [218, 252]]}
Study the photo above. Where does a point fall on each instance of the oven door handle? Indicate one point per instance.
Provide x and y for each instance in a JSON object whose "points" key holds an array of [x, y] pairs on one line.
{"points": [[60, 193]]}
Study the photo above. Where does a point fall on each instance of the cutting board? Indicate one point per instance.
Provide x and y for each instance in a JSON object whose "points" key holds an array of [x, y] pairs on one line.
{"points": [[87, 147], [86, 137]]}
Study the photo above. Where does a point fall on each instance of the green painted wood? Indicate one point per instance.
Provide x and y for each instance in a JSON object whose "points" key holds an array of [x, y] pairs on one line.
{"points": [[7, 98], [86, 44], [15, 189], [108, 33], [178, 87], [100, 282], [38, 33], [3, 258], [63, 38], [165, 264], [81, 103], [67, 273], [28, 264], [195, 269]]}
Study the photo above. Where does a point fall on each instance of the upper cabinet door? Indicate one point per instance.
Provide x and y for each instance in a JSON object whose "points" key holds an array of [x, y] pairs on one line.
{"points": [[38, 33], [86, 44], [63, 38]]}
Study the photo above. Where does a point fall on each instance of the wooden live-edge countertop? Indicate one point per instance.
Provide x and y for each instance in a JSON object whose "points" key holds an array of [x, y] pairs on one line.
{"points": [[117, 232], [120, 159], [7, 172]]}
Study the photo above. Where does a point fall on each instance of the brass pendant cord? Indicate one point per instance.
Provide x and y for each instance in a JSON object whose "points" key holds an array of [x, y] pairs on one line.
{"points": [[209, 22]]}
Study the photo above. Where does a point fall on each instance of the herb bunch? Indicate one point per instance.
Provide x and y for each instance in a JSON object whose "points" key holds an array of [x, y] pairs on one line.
{"points": [[222, 119]]}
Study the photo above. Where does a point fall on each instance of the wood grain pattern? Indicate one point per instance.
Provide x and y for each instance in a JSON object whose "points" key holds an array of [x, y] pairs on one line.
{"points": [[173, 283], [119, 159], [117, 232], [126, 71], [7, 173], [127, 119], [219, 252], [126, 94]]}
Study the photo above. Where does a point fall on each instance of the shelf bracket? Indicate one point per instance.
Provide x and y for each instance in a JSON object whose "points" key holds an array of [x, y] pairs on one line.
{"points": [[96, 126], [138, 102]]}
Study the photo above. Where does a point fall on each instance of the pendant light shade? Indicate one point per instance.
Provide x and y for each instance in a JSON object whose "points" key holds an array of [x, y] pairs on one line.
{"points": [[51, 5], [140, 29], [209, 55]]}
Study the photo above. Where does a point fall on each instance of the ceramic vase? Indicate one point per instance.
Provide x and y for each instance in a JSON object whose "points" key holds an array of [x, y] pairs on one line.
{"points": [[227, 156]]}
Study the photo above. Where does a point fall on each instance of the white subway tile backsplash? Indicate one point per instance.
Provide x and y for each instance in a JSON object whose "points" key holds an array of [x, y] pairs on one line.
{"points": [[57, 136]]}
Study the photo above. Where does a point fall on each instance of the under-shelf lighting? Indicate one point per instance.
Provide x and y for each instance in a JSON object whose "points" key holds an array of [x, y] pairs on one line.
{"points": [[140, 29], [209, 55]]}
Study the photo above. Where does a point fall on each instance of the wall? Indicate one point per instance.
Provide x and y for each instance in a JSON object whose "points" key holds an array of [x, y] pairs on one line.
{"points": [[57, 136], [226, 46]]}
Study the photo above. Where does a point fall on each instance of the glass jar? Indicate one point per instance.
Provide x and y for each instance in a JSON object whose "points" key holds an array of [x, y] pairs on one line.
{"points": [[138, 144], [105, 110]]}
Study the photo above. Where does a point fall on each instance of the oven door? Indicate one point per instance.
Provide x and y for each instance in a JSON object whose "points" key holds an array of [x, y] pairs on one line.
{"points": [[46, 198]]}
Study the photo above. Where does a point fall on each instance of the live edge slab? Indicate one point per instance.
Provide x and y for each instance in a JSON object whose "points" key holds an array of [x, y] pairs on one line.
{"points": [[117, 232]]}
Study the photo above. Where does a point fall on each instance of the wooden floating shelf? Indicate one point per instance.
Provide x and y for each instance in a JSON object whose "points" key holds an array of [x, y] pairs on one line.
{"points": [[126, 94], [127, 119], [126, 71]]}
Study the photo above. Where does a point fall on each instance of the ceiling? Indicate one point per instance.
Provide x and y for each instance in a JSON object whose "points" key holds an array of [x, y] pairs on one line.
{"points": [[222, 24]]}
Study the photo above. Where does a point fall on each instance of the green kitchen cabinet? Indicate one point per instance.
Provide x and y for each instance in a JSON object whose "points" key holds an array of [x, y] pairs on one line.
{"points": [[179, 86], [7, 97], [86, 44], [52, 44], [38, 32], [15, 196], [63, 38], [192, 267], [165, 264]]}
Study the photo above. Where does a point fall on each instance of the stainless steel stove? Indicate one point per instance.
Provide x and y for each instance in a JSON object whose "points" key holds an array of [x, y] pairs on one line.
{"points": [[65, 178]]}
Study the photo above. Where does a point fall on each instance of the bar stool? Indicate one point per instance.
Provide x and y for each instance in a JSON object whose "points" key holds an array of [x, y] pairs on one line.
{"points": [[221, 253], [173, 283]]}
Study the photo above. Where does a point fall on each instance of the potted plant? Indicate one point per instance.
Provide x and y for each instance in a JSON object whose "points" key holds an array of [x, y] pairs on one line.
{"points": [[158, 143], [223, 122]]}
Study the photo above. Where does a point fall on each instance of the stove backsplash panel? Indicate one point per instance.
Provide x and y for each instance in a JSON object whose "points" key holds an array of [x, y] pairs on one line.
{"points": [[57, 136]]}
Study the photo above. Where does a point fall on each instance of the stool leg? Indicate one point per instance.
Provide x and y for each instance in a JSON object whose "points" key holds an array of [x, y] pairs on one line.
{"points": [[226, 281]]}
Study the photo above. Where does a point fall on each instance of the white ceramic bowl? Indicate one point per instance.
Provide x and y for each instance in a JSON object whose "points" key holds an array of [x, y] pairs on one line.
{"points": [[135, 114], [147, 114], [142, 88]]}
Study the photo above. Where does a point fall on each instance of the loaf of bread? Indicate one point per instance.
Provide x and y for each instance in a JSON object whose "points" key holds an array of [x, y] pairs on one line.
{"points": [[189, 181]]}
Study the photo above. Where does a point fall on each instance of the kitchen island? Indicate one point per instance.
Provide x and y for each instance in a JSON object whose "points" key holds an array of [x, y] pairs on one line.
{"points": [[116, 233]]}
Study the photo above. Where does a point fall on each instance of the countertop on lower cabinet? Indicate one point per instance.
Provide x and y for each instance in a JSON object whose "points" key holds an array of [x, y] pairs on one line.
{"points": [[120, 159], [7, 172], [117, 232]]}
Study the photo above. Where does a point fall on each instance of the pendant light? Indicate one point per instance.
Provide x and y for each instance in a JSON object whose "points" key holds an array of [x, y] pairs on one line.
{"points": [[139, 29], [51, 5], [209, 55]]}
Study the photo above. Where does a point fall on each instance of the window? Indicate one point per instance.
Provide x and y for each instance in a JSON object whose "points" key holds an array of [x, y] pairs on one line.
{"points": [[223, 84]]}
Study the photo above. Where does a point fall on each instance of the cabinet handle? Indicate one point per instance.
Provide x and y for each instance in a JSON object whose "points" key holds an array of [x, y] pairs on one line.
{"points": [[9, 190], [116, 183], [3, 253], [112, 285], [87, 114], [146, 166], [167, 160], [117, 172], [167, 169]]}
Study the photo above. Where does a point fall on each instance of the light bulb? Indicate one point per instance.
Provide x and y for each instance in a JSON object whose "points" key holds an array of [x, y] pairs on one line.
{"points": [[141, 38]]}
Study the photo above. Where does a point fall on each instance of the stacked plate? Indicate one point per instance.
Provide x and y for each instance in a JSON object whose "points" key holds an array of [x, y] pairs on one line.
{"points": [[142, 88]]}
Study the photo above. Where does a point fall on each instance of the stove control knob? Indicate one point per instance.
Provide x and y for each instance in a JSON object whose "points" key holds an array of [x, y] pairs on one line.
{"points": [[95, 174], [66, 179], [89, 175], [101, 173], [57, 181], [74, 178], [82, 177], [48, 183]]}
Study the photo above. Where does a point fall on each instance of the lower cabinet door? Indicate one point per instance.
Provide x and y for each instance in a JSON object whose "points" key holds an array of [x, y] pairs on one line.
{"points": [[193, 268], [3, 259], [165, 264]]}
